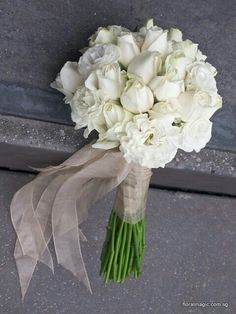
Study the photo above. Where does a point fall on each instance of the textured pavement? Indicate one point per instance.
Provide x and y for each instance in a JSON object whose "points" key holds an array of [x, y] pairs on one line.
{"points": [[190, 257]]}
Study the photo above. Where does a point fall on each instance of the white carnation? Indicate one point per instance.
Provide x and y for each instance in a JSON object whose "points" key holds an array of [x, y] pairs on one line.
{"points": [[87, 110], [150, 143]]}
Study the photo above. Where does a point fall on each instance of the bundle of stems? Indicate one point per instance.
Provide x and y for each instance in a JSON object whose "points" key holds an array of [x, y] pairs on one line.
{"points": [[123, 249]]}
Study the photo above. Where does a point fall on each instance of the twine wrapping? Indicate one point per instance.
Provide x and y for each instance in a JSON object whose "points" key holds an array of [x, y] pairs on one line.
{"points": [[131, 196]]}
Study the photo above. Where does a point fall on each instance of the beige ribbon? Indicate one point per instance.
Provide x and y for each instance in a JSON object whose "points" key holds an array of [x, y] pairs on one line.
{"points": [[131, 196], [53, 206]]}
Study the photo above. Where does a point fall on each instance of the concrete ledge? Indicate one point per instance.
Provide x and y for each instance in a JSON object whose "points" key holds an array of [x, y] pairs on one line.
{"points": [[25, 142]]}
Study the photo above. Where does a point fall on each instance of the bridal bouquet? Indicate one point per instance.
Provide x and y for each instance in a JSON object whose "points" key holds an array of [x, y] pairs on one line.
{"points": [[147, 94]]}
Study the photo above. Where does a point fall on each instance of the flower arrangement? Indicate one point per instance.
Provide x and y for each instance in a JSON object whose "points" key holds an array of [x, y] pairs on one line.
{"points": [[147, 93]]}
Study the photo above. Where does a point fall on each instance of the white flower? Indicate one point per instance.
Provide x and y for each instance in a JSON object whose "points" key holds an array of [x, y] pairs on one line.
{"points": [[128, 48], [106, 35], [148, 142], [102, 36], [164, 88], [187, 47], [149, 24], [200, 56], [110, 79], [117, 30], [113, 113], [195, 134], [155, 40], [97, 57], [166, 111], [116, 119], [201, 77], [175, 34], [147, 92], [68, 80], [86, 109], [137, 97], [177, 63], [194, 105], [145, 66]]}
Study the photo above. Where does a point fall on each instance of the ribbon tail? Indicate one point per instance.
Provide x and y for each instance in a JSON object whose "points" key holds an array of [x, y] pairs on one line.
{"points": [[25, 267], [54, 205], [76, 195], [67, 245]]}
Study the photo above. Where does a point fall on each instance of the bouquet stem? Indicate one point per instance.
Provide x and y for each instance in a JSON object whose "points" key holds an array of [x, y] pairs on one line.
{"points": [[123, 249]]}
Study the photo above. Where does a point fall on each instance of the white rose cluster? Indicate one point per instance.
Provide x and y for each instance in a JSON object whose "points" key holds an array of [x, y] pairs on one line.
{"points": [[147, 92]]}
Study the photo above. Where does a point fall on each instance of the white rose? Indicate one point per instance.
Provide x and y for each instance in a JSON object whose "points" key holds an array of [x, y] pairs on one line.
{"points": [[175, 34], [155, 40], [116, 118], [194, 105], [200, 56], [187, 47], [113, 112], [148, 142], [102, 36], [137, 97], [110, 79], [149, 24], [165, 88], [195, 134], [177, 63], [106, 35], [68, 80], [97, 57], [168, 112], [145, 66], [201, 77], [128, 48]]}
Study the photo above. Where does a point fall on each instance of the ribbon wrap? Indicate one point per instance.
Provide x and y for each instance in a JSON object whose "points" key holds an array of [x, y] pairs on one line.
{"points": [[131, 196], [53, 206]]}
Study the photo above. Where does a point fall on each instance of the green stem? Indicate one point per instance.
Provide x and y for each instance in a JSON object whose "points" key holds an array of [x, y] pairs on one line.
{"points": [[123, 249], [121, 255], [112, 249], [117, 251]]}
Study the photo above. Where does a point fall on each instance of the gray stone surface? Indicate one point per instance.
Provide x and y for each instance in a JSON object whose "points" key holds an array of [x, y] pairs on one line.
{"points": [[64, 140], [190, 257], [37, 37], [25, 142]]}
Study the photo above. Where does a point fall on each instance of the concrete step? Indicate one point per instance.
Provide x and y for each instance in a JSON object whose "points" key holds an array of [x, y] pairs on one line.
{"points": [[26, 142], [190, 257]]}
